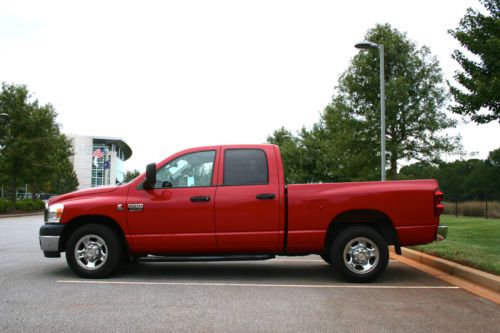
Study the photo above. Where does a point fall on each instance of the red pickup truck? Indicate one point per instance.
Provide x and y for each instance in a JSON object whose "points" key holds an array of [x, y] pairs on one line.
{"points": [[231, 203]]}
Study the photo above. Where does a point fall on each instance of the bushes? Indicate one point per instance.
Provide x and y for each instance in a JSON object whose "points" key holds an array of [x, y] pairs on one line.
{"points": [[24, 204], [29, 205], [4, 205], [473, 208]]}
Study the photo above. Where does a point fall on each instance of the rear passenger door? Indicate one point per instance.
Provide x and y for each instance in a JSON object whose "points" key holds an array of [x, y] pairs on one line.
{"points": [[247, 204]]}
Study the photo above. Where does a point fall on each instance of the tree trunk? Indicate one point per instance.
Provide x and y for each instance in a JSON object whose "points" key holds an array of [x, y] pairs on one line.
{"points": [[13, 191], [34, 190], [394, 167]]}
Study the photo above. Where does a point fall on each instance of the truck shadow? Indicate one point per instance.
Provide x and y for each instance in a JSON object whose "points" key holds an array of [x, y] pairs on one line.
{"points": [[257, 272], [272, 271]]}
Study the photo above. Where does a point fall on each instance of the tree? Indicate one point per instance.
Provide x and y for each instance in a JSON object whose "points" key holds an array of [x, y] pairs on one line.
{"points": [[493, 162], [33, 149], [129, 175], [415, 99], [345, 144], [15, 138], [419, 170], [480, 35], [65, 179], [50, 150]]}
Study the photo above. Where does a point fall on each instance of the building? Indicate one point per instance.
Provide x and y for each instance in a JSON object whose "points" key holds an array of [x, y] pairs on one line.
{"points": [[98, 160]]}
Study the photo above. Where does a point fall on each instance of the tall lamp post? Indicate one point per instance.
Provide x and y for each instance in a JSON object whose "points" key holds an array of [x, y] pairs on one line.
{"points": [[380, 47]]}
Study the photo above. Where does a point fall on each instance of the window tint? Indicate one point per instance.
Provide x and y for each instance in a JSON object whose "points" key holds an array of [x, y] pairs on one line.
{"points": [[189, 170], [245, 167]]}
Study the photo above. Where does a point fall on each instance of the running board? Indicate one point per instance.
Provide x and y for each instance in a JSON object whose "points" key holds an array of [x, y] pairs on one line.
{"points": [[151, 258]]}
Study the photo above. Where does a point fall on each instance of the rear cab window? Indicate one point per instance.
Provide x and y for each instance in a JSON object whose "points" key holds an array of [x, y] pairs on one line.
{"points": [[245, 167]]}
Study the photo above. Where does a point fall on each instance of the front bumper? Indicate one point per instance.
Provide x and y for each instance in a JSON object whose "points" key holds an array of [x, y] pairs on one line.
{"points": [[49, 237], [442, 233]]}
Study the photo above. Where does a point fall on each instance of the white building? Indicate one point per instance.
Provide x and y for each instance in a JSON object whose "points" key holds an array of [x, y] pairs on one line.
{"points": [[98, 160]]}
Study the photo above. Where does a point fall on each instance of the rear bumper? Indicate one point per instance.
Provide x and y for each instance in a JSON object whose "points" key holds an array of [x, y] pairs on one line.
{"points": [[49, 238], [442, 233]]}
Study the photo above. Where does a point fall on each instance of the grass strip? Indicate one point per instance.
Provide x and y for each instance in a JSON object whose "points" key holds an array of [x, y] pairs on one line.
{"points": [[472, 241]]}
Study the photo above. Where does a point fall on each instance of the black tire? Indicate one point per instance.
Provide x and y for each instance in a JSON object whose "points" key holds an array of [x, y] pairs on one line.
{"points": [[103, 241], [366, 257], [326, 257]]}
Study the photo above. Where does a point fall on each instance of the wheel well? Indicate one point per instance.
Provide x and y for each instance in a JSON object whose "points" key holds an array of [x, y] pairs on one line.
{"points": [[369, 218], [77, 222]]}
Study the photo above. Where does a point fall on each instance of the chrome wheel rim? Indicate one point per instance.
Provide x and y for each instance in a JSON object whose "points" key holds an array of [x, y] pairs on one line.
{"points": [[91, 252], [361, 255]]}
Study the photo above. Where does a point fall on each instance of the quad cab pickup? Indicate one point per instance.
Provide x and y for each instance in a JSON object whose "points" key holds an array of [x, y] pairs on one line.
{"points": [[231, 203]]}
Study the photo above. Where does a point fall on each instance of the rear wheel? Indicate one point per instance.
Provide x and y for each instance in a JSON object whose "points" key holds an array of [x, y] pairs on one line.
{"points": [[93, 251], [360, 254]]}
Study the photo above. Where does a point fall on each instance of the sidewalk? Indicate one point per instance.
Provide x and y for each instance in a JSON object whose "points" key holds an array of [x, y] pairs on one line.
{"points": [[21, 214]]}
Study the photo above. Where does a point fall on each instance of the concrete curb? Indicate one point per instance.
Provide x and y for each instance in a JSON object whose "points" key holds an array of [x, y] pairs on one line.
{"points": [[487, 280], [20, 215]]}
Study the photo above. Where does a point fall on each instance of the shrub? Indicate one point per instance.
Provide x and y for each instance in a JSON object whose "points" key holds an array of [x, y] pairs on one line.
{"points": [[4, 205], [29, 205]]}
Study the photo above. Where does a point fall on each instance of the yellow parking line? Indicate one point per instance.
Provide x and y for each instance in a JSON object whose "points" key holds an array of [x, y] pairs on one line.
{"points": [[253, 285]]}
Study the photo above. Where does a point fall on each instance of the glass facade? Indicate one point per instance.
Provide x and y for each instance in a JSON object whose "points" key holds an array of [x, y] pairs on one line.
{"points": [[98, 171]]}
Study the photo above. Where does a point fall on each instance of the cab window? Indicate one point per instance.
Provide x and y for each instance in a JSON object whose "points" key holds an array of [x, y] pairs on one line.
{"points": [[190, 170], [245, 167]]}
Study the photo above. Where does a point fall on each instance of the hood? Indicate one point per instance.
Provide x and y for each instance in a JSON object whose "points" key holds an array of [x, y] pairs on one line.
{"points": [[80, 193]]}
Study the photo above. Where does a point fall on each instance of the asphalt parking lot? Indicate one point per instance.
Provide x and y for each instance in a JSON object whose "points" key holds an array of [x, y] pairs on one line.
{"points": [[299, 294]]}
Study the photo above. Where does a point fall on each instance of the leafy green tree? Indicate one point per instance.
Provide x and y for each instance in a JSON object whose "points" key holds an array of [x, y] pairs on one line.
{"points": [[345, 144], [419, 170], [16, 136], [493, 162], [415, 99], [480, 35], [50, 151], [64, 180], [33, 149], [129, 175], [478, 181], [293, 154]]}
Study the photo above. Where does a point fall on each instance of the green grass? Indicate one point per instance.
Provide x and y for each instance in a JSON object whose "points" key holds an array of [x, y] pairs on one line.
{"points": [[471, 241]]}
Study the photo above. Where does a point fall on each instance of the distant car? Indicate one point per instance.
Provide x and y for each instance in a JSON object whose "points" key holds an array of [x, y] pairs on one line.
{"points": [[45, 197], [22, 196]]}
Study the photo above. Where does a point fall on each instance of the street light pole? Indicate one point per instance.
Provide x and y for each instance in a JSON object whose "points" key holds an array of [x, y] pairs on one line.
{"points": [[380, 47], [382, 112]]}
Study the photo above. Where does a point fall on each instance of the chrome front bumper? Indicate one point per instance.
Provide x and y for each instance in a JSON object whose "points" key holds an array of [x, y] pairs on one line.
{"points": [[50, 239], [49, 243], [442, 233]]}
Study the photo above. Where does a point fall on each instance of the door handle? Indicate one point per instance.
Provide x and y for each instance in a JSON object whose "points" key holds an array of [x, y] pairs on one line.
{"points": [[200, 199], [265, 196]]}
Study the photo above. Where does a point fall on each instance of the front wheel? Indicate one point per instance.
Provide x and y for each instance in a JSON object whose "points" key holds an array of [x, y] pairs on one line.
{"points": [[360, 254], [93, 251], [326, 258]]}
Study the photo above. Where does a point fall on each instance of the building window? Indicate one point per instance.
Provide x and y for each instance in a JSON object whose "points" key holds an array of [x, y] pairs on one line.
{"points": [[98, 172]]}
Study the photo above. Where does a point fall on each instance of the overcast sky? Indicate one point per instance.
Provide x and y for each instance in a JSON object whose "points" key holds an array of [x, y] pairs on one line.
{"points": [[169, 75]]}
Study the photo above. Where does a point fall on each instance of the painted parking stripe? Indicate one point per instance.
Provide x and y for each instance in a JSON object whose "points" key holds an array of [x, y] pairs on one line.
{"points": [[311, 260], [253, 285]]}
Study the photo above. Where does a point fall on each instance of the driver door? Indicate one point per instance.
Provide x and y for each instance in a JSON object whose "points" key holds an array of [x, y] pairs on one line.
{"points": [[178, 212]]}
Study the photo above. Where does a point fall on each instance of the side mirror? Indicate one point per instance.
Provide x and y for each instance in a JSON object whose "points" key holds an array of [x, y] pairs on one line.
{"points": [[150, 180]]}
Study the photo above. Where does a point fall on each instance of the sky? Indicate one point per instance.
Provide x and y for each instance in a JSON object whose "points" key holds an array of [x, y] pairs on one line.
{"points": [[170, 75]]}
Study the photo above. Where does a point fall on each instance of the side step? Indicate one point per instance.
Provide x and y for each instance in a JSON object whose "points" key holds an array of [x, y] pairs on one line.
{"points": [[151, 258]]}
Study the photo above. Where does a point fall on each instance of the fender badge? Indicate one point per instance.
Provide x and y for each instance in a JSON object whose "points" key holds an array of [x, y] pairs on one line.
{"points": [[119, 207], [135, 207]]}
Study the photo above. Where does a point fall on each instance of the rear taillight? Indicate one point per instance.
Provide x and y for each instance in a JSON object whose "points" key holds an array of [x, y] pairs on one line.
{"points": [[438, 206]]}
